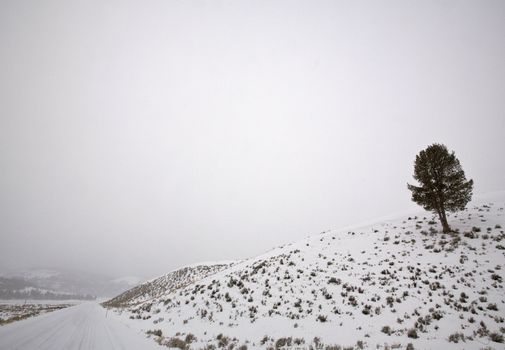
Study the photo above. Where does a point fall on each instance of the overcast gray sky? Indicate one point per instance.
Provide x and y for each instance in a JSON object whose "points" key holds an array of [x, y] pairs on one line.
{"points": [[139, 136]]}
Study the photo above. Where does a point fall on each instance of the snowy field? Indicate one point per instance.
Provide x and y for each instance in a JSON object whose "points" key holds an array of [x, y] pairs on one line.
{"points": [[37, 301], [13, 311]]}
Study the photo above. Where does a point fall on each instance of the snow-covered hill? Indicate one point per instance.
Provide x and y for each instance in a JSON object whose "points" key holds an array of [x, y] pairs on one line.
{"points": [[395, 284], [165, 284]]}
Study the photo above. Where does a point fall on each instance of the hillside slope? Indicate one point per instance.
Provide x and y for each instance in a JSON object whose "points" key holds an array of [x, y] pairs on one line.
{"points": [[390, 284], [165, 284]]}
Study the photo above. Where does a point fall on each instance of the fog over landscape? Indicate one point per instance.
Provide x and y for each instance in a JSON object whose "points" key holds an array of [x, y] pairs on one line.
{"points": [[252, 174], [140, 136]]}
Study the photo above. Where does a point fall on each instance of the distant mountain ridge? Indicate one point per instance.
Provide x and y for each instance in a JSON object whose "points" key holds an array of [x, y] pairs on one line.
{"points": [[61, 284], [18, 288]]}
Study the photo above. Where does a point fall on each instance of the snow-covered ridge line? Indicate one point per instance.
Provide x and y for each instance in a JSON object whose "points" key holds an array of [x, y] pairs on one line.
{"points": [[194, 265], [172, 281]]}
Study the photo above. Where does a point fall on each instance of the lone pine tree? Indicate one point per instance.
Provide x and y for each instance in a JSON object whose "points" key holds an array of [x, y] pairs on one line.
{"points": [[443, 185]]}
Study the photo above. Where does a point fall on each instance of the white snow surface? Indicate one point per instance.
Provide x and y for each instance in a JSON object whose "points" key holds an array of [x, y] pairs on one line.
{"points": [[82, 327], [344, 286]]}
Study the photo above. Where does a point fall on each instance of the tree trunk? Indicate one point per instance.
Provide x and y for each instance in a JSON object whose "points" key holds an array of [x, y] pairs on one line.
{"points": [[443, 220]]}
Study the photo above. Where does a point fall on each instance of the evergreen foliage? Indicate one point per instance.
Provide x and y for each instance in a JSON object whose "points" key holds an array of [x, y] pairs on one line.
{"points": [[443, 185]]}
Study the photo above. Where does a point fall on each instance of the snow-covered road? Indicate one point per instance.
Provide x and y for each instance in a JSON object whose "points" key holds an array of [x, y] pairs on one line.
{"points": [[83, 326]]}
